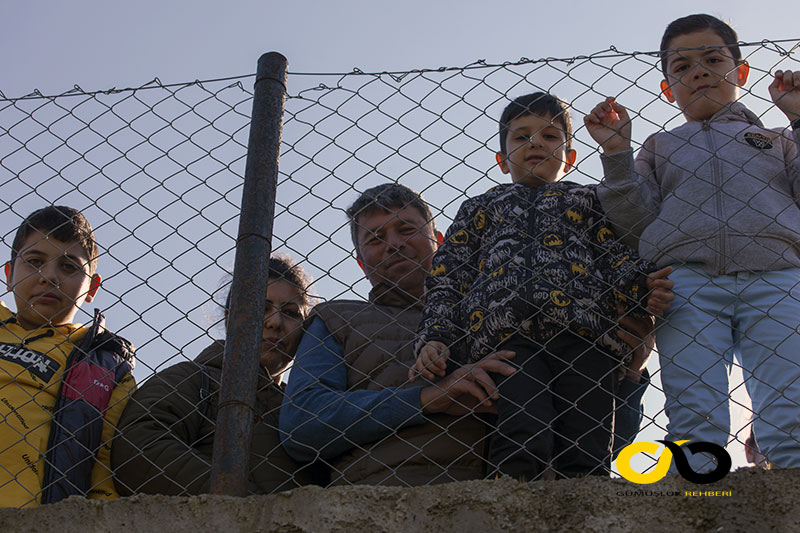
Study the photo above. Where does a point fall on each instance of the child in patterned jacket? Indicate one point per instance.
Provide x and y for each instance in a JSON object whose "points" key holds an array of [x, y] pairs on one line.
{"points": [[532, 267]]}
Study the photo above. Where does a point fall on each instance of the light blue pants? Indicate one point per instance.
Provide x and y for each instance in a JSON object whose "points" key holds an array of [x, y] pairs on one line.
{"points": [[753, 316]]}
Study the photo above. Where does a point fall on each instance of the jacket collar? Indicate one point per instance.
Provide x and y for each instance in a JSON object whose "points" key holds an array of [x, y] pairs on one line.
{"points": [[390, 295], [213, 356], [737, 111]]}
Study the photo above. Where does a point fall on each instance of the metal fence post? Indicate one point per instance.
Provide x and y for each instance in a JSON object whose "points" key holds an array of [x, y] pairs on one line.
{"points": [[230, 462]]}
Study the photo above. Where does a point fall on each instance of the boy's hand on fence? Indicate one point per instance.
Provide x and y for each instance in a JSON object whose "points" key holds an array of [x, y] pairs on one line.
{"points": [[785, 92], [468, 388], [639, 334], [660, 291], [610, 126], [431, 361]]}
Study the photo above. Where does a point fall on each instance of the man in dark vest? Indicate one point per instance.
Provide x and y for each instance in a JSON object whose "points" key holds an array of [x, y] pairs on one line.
{"points": [[349, 401]]}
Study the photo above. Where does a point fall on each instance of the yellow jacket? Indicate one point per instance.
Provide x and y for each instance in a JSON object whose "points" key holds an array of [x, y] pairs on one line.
{"points": [[32, 370]]}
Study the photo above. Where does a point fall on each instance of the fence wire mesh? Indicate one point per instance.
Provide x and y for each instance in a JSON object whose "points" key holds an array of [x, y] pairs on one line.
{"points": [[158, 171]]}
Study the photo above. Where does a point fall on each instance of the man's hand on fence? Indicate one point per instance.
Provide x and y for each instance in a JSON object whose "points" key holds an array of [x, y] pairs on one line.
{"points": [[610, 126], [660, 294], [431, 361], [785, 92], [639, 334], [468, 388]]}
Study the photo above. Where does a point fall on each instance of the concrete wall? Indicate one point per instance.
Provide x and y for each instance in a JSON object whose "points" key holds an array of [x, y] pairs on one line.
{"points": [[758, 501]]}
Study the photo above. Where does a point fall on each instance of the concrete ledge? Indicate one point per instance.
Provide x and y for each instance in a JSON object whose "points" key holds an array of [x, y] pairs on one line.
{"points": [[757, 501]]}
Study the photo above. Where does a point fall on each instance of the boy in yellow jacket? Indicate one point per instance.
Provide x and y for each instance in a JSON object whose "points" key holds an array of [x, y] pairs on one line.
{"points": [[63, 386]]}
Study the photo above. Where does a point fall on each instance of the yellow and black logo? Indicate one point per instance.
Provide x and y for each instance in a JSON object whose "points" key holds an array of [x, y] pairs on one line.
{"points": [[758, 140], [604, 234], [574, 216], [552, 239], [559, 298], [439, 270], [673, 449], [579, 269], [479, 220], [461, 237]]}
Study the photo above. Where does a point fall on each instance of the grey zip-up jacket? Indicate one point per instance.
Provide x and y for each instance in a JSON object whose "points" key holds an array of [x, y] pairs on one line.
{"points": [[723, 193]]}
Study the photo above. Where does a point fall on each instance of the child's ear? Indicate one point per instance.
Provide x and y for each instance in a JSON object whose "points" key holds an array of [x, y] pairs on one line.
{"points": [[7, 268], [361, 265], [666, 91], [742, 72], [94, 284], [571, 156], [502, 162], [439, 238]]}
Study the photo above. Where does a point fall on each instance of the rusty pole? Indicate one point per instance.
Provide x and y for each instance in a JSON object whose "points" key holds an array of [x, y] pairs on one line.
{"points": [[236, 408]]}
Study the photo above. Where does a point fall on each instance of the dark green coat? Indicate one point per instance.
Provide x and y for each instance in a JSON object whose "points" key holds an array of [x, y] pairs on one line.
{"points": [[166, 434]]}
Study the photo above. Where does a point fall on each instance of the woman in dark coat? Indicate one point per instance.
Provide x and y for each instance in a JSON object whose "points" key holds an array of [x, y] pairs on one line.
{"points": [[166, 434]]}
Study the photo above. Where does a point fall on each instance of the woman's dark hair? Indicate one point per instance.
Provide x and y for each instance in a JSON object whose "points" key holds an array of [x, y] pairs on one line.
{"points": [[282, 267]]}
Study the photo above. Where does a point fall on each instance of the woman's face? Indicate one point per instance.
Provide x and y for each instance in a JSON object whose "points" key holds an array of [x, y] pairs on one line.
{"points": [[283, 320]]}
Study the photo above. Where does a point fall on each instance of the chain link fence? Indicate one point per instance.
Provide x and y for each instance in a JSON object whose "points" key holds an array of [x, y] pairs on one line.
{"points": [[158, 171]]}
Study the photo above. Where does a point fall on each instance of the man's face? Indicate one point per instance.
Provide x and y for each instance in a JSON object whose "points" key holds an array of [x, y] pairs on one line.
{"points": [[50, 280], [701, 81], [396, 247], [536, 150]]}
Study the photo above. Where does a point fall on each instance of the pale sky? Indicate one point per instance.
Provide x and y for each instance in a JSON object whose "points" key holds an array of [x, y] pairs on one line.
{"points": [[51, 46]]}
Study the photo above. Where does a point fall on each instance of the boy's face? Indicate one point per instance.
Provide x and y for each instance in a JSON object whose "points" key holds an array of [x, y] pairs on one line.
{"points": [[50, 280], [536, 151], [702, 81]]}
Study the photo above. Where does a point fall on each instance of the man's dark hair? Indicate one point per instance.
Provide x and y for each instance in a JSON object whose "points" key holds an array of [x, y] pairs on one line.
{"points": [[283, 268], [541, 104], [385, 198], [59, 222], [695, 23]]}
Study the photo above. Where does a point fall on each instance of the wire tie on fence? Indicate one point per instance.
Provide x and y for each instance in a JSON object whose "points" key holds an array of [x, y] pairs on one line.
{"points": [[778, 48], [243, 236], [155, 82], [226, 403], [271, 78]]}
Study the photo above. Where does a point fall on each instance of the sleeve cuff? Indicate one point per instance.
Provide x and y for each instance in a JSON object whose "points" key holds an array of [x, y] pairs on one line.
{"points": [[617, 164]]}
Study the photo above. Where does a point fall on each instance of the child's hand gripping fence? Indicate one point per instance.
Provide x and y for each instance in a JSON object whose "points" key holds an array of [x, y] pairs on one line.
{"points": [[158, 170]]}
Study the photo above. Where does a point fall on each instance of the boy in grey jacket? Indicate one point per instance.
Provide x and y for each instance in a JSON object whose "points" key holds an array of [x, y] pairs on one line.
{"points": [[717, 200]]}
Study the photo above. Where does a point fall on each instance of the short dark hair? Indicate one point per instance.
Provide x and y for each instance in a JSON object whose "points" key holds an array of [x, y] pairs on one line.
{"points": [[60, 222], [538, 103], [384, 198], [695, 23], [282, 267]]}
